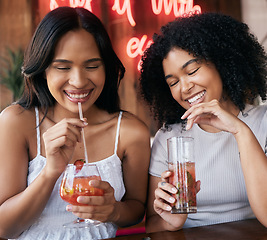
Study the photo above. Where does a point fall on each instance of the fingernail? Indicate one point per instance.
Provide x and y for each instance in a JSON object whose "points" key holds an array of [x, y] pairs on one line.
{"points": [[168, 208], [174, 190], [69, 208], [85, 123], [79, 199], [172, 200], [92, 183]]}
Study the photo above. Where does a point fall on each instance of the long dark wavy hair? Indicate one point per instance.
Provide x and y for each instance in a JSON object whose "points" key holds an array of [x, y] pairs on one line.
{"points": [[40, 53], [217, 38]]}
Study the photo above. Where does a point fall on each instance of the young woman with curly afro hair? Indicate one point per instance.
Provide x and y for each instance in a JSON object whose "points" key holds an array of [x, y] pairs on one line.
{"points": [[202, 77]]}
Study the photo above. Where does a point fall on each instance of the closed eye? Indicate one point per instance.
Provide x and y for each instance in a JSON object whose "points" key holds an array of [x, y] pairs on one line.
{"points": [[191, 73], [62, 68], [173, 83], [92, 67]]}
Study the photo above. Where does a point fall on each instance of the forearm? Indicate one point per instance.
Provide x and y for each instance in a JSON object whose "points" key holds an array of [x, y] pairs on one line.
{"points": [[155, 223], [20, 211], [254, 165], [128, 212]]}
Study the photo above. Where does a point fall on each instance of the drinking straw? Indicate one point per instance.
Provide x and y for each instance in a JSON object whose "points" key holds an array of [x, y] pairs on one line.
{"points": [[83, 136]]}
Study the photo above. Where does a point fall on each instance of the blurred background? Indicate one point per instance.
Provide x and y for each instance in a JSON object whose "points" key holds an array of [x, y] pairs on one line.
{"points": [[130, 24]]}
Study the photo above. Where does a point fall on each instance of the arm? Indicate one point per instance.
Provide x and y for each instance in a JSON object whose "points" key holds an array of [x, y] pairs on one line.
{"points": [[136, 140], [17, 209], [253, 159], [21, 205], [159, 217], [254, 166]]}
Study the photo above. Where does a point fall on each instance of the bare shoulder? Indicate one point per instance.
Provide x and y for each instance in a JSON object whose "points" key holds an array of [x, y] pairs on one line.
{"points": [[133, 126], [16, 117], [133, 130]]}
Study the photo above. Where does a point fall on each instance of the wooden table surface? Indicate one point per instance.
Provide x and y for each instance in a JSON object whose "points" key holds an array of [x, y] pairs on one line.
{"points": [[240, 230]]}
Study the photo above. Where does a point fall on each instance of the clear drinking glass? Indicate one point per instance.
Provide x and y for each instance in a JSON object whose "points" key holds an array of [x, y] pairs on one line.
{"points": [[182, 165], [75, 183]]}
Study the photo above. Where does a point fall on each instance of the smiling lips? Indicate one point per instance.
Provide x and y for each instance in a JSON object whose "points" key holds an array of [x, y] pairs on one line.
{"points": [[195, 99], [81, 96], [78, 96]]}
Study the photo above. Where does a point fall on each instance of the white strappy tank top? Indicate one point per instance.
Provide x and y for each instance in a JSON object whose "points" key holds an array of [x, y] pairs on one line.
{"points": [[49, 225]]}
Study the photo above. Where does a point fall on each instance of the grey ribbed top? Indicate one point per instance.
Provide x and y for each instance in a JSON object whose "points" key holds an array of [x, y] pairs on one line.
{"points": [[223, 196]]}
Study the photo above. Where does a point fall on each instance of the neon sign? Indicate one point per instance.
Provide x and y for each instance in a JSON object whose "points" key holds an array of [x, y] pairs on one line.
{"points": [[73, 3], [135, 46], [53, 4], [179, 7], [126, 7]]}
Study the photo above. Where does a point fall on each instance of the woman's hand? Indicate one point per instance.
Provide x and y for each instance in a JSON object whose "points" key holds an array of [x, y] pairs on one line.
{"points": [[213, 114], [60, 141], [164, 200], [101, 208]]}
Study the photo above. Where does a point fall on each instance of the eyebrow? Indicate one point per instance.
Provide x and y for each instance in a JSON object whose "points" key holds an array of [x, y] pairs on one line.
{"points": [[184, 66], [87, 61], [190, 62]]}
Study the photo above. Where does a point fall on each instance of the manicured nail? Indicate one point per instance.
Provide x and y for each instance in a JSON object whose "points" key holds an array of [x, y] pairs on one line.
{"points": [[168, 208], [174, 190], [79, 199], [91, 183], [172, 200], [69, 208]]}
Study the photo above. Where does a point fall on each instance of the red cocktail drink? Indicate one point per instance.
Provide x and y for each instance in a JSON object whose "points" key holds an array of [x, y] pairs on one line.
{"points": [[182, 166], [79, 187], [183, 178], [75, 183]]}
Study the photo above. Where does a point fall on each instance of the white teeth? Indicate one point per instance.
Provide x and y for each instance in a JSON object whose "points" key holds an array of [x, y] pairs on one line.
{"points": [[78, 96], [195, 98]]}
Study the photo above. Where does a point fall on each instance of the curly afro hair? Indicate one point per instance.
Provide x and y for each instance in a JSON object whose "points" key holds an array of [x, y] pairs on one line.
{"points": [[213, 37]]}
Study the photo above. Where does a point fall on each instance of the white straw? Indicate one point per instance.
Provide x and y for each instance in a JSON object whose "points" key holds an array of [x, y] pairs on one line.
{"points": [[83, 136]]}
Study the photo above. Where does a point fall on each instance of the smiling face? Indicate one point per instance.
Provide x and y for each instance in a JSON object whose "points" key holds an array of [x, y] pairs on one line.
{"points": [[77, 72], [191, 80]]}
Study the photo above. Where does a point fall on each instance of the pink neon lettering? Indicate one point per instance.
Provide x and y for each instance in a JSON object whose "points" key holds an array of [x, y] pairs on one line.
{"points": [[81, 3], [53, 5], [185, 6], [126, 7], [73, 3], [136, 47]]}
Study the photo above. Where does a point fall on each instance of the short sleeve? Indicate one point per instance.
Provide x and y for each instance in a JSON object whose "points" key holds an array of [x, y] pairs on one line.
{"points": [[265, 147], [159, 156]]}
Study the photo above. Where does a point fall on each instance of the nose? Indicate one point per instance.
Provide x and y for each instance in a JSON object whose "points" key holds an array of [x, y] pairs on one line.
{"points": [[78, 78], [186, 85]]}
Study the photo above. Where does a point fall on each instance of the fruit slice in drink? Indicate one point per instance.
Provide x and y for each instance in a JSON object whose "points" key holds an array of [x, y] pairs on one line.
{"points": [[183, 178]]}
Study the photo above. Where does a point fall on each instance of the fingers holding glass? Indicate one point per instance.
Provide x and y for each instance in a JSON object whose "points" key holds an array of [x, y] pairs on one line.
{"points": [[75, 184]]}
